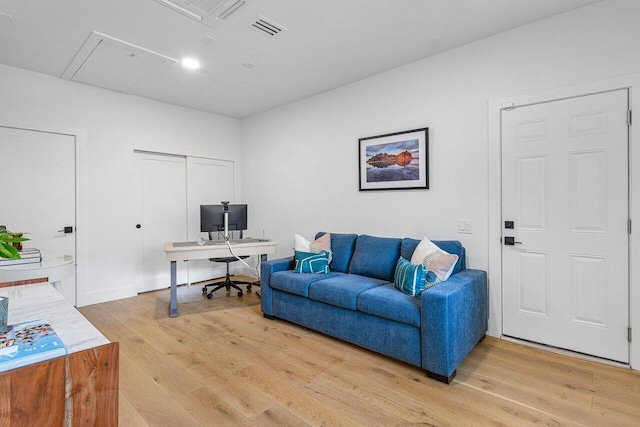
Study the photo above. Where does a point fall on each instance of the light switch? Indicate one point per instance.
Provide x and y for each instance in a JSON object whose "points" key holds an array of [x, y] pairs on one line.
{"points": [[465, 226]]}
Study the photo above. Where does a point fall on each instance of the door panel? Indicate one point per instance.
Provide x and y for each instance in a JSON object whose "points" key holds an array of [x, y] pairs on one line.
{"points": [[210, 182], [565, 186], [533, 283], [163, 212], [589, 276], [532, 192], [589, 199], [39, 192]]}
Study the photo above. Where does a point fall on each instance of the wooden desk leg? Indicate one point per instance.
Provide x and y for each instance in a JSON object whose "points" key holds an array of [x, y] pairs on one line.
{"points": [[173, 305]]}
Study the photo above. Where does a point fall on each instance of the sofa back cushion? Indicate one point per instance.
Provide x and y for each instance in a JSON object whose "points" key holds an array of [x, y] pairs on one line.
{"points": [[375, 257], [450, 246], [342, 247]]}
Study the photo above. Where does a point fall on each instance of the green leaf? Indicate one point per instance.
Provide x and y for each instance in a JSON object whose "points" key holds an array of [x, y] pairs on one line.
{"points": [[8, 251], [10, 237], [17, 239]]}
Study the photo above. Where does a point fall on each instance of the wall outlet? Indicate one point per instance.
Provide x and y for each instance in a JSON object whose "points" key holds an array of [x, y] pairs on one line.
{"points": [[465, 226]]}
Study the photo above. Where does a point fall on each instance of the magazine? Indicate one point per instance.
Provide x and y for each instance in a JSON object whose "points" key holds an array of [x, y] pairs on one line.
{"points": [[29, 342]]}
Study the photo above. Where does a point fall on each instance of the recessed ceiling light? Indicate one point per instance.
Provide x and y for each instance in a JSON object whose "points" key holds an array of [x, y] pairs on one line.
{"points": [[191, 63], [5, 17]]}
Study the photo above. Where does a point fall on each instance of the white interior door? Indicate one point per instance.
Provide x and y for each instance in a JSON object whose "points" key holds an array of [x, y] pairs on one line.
{"points": [[162, 215], [209, 182], [565, 188], [39, 192]]}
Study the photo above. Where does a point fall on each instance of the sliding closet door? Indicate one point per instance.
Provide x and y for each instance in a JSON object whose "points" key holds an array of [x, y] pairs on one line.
{"points": [[209, 182], [170, 192], [162, 215]]}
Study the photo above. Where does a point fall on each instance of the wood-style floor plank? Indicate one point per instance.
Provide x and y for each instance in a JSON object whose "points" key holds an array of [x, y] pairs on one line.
{"points": [[128, 415], [220, 363]]}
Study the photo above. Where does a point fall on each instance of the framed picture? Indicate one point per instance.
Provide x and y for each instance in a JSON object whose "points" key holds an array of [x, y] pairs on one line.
{"points": [[396, 161]]}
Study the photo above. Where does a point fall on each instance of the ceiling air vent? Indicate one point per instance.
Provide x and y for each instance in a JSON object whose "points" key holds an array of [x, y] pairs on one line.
{"points": [[266, 27]]}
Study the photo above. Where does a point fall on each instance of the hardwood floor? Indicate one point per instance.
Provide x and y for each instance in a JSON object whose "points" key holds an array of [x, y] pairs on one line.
{"points": [[222, 364]]}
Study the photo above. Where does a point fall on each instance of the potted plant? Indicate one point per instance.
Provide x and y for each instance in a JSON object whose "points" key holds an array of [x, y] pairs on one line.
{"points": [[7, 240]]}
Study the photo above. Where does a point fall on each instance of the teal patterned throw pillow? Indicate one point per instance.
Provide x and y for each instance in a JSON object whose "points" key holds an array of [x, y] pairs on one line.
{"points": [[410, 278], [307, 262]]}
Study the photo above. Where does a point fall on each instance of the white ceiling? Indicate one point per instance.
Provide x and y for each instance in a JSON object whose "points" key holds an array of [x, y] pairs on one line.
{"points": [[326, 44]]}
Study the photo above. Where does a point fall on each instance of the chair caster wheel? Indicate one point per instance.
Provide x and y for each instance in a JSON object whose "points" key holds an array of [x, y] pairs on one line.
{"points": [[248, 288], [240, 293], [204, 290], [209, 296]]}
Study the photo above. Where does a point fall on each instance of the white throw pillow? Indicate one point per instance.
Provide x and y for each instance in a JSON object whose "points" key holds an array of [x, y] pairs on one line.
{"points": [[434, 259], [301, 244]]}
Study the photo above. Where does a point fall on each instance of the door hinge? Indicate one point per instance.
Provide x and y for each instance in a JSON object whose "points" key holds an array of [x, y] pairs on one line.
{"points": [[629, 225], [628, 117], [629, 334]]}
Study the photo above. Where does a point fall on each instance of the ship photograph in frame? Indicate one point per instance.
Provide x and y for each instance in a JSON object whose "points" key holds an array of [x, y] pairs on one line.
{"points": [[395, 161]]}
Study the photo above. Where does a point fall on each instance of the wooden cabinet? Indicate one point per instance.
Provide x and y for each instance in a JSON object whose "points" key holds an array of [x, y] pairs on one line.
{"points": [[80, 388]]}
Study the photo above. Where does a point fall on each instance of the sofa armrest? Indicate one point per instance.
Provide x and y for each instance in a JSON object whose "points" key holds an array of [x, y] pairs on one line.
{"points": [[267, 268], [453, 320]]}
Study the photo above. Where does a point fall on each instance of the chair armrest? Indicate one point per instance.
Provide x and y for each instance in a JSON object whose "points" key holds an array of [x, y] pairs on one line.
{"points": [[453, 320], [267, 268]]}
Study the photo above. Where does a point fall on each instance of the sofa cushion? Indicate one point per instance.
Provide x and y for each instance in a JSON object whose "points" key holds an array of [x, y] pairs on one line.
{"points": [[385, 301], [342, 291], [297, 283], [450, 246], [375, 257], [342, 246]]}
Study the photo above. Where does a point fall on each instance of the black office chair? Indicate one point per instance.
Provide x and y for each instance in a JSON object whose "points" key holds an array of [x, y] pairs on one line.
{"points": [[228, 283]]}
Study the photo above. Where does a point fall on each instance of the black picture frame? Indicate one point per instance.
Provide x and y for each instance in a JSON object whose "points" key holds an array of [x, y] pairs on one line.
{"points": [[394, 161]]}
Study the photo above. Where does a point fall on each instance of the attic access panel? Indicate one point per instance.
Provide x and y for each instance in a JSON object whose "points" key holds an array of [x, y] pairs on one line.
{"points": [[107, 62], [208, 12], [196, 9]]}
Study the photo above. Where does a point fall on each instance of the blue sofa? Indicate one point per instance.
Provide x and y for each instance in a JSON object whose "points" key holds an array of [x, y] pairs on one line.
{"points": [[358, 302]]}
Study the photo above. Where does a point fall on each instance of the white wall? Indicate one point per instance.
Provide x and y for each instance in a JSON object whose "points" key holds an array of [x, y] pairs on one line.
{"points": [[113, 125], [300, 161]]}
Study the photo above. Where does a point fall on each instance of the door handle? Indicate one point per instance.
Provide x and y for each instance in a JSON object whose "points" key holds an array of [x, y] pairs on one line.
{"points": [[511, 241], [66, 230]]}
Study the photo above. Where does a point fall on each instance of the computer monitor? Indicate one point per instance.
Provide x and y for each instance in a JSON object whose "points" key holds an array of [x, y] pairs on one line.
{"points": [[212, 217]]}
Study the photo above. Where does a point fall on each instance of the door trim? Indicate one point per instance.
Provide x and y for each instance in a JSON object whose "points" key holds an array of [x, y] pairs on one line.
{"points": [[79, 136], [630, 82]]}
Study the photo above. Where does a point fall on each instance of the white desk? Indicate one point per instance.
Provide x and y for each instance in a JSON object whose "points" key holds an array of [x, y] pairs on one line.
{"points": [[56, 268], [186, 252]]}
